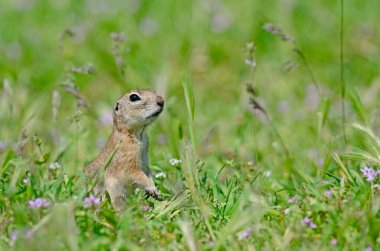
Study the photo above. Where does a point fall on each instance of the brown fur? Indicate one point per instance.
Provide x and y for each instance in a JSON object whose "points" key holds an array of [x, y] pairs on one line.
{"points": [[129, 141]]}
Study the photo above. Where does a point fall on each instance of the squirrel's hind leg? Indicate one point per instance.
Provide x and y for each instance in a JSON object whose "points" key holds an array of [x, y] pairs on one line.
{"points": [[116, 190]]}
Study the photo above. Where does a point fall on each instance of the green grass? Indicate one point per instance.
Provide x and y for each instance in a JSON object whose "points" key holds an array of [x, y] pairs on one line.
{"points": [[61, 70]]}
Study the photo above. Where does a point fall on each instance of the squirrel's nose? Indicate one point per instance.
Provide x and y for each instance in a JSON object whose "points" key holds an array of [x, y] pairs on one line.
{"points": [[160, 101]]}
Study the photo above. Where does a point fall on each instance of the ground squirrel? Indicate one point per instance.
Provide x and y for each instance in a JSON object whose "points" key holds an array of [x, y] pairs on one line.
{"points": [[128, 142]]}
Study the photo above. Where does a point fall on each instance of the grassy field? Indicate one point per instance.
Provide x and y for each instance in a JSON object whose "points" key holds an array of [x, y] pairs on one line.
{"points": [[268, 140]]}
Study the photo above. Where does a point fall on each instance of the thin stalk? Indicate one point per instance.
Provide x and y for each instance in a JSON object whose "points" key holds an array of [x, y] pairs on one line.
{"points": [[342, 83], [189, 156], [76, 143], [311, 74], [252, 76], [256, 105], [372, 196], [274, 128]]}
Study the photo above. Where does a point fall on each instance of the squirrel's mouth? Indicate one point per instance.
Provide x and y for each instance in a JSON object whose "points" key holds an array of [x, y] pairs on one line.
{"points": [[155, 114]]}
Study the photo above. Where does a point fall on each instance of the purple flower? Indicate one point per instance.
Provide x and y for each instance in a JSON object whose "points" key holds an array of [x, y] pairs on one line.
{"points": [[220, 22], [334, 242], [293, 199], [13, 236], [369, 248], [25, 181], [38, 203], [91, 201], [106, 118], [307, 222], [3, 146], [328, 193], [147, 208], [369, 173], [245, 234], [28, 233]]}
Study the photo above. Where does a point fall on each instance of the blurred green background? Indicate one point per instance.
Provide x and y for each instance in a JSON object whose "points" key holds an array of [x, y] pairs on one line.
{"points": [[42, 40], [98, 50]]}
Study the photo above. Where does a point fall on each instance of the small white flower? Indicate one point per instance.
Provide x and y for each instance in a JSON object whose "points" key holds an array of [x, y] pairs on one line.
{"points": [[250, 163], [287, 211], [160, 175], [54, 165], [250, 45], [250, 62], [175, 162], [267, 173]]}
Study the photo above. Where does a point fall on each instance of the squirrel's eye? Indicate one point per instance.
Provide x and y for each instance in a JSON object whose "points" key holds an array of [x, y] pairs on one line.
{"points": [[134, 97]]}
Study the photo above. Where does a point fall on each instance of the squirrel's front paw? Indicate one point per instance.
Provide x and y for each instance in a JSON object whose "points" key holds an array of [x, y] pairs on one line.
{"points": [[153, 192]]}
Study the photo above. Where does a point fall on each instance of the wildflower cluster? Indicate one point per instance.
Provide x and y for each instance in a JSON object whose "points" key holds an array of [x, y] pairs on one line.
{"points": [[147, 208], [160, 175], [369, 173], [175, 162], [38, 203], [54, 165], [91, 201], [308, 222], [14, 235]]}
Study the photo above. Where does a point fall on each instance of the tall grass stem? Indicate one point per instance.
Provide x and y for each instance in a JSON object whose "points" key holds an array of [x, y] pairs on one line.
{"points": [[342, 83]]}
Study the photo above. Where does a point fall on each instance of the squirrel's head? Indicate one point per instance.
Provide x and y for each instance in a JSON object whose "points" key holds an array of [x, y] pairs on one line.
{"points": [[137, 109]]}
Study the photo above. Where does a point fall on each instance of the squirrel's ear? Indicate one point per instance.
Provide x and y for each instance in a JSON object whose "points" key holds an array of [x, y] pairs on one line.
{"points": [[117, 106]]}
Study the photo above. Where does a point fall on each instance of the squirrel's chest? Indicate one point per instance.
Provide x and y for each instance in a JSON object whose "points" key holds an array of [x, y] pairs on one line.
{"points": [[133, 155]]}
